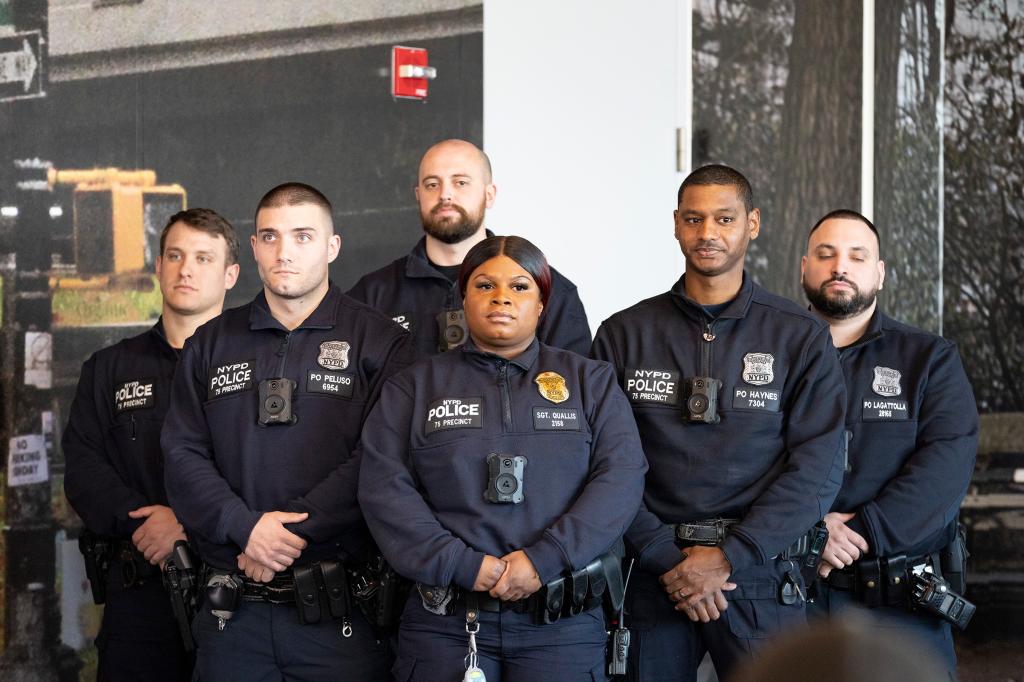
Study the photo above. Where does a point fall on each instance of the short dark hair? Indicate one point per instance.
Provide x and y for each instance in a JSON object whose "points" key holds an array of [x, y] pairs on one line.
{"points": [[717, 174], [294, 194], [521, 250], [208, 221], [847, 214]]}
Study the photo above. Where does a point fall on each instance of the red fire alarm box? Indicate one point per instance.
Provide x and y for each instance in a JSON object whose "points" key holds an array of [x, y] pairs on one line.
{"points": [[410, 74]]}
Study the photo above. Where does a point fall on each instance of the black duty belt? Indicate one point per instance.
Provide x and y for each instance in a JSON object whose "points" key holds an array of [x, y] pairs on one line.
{"points": [[567, 595], [709, 533], [712, 532], [280, 590], [884, 581]]}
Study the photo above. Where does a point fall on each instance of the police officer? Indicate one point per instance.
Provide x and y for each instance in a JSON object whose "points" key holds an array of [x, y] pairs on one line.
{"points": [[420, 290], [267, 406], [499, 477], [739, 401], [913, 434], [114, 469]]}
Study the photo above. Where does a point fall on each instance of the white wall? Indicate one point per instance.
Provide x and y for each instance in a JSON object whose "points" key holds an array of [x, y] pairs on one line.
{"points": [[579, 121]]}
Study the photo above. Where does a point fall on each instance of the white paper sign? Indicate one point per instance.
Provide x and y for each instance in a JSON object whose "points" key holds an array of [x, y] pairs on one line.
{"points": [[39, 359], [26, 461]]}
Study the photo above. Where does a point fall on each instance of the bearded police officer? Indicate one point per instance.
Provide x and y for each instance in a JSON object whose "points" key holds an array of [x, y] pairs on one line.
{"points": [[912, 429], [114, 475], [267, 407], [420, 290], [739, 400]]}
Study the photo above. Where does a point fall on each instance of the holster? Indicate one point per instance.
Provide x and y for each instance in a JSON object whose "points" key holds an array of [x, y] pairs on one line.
{"points": [[97, 553], [953, 560], [181, 580]]}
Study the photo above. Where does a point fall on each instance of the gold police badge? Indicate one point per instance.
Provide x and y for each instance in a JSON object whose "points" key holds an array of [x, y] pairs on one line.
{"points": [[552, 386]]}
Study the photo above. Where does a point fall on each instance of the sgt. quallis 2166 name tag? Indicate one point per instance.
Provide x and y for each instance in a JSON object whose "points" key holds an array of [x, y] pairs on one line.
{"points": [[453, 413]]}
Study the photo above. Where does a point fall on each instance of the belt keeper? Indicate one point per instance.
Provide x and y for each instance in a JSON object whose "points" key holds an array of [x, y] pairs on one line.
{"points": [[307, 594], [578, 585], [897, 580], [869, 587], [552, 602]]}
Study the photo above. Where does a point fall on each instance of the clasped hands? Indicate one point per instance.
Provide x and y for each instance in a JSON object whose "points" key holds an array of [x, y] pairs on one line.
{"points": [[271, 547], [698, 582], [510, 578]]}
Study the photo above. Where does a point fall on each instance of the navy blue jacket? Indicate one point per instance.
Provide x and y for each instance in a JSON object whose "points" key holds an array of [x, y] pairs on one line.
{"points": [[112, 440], [914, 437], [413, 292], [425, 449], [224, 470], [774, 460]]}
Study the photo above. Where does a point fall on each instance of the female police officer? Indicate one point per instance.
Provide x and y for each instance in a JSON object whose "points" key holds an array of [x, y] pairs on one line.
{"points": [[499, 477]]}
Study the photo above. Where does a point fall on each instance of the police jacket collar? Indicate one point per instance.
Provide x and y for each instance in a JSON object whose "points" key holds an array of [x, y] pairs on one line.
{"points": [[737, 307], [874, 330], [418, 265], [523, 361], [157, 330], [325, 316]]}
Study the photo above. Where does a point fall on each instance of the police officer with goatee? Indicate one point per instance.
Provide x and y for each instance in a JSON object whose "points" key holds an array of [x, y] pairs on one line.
{"points": [[739, 400]]}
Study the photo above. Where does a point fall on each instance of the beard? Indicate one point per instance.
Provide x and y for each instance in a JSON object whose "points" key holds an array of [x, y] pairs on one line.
{"points": [[452, 229], [839, 307]]}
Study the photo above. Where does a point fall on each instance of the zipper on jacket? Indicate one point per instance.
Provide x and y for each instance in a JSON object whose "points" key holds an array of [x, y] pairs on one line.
{"points": [[282, 352], [506, 399], [131, 427], [705, 349]]}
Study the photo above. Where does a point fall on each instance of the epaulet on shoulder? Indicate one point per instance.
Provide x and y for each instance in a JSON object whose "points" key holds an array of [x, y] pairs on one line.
{"points": [[785, 306], [891, 325]]}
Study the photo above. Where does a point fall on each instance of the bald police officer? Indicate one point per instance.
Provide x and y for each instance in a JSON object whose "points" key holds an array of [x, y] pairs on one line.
{"points": [[739, 400], [114, 475], [420, 291], [912, 427]]}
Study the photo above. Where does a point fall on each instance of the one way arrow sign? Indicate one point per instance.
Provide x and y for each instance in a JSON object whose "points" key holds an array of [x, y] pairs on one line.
{"points": [[21, 72]]}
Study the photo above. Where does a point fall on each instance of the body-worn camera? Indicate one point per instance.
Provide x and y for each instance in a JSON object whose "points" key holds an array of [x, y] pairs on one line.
{"points": [[276, 402], [702, 399], [452, 329], [933, 594], [505, 478]]}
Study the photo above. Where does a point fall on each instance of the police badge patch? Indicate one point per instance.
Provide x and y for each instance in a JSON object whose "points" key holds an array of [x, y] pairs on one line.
{"points": [[552, 386], [887, 382], [334, 354], [757, 368]]}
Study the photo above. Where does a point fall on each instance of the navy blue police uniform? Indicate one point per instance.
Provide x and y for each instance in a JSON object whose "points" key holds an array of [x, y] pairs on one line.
{"points": [[751, 484], [113, 466], [912, 430], [415, 292], [224, 470], [422, 488]]}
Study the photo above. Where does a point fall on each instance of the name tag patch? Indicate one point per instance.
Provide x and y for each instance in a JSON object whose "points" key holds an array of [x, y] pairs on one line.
{"points": [[453, 413], [659, 386], [134, 395], [884, 410], [330, 383], [231, 378], [550, 419], [765, 400], [405, 320]]}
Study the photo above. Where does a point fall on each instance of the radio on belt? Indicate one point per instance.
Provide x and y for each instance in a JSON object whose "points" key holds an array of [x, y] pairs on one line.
{"points": [[275, 405]]}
